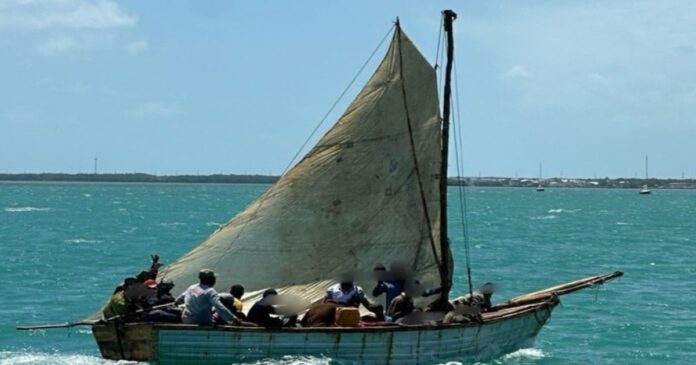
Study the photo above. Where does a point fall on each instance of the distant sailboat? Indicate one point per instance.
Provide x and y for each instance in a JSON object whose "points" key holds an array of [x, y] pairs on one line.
{"points": [[540, 187], [644, 190]]}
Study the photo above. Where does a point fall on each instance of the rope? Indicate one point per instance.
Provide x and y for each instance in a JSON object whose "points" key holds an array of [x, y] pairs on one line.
{"points": [[343, 93], [461, 189], [415, 157]]}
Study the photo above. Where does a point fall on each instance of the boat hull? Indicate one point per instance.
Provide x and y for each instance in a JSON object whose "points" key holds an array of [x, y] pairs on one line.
{"points": [[187, 344]]}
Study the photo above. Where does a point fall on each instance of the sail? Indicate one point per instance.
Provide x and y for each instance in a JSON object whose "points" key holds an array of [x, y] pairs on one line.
{"points": [[366, 193]]}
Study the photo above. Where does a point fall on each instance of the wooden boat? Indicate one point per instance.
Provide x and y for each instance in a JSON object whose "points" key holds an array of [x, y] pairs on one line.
{"points": [[373, 189], [508, 327]]}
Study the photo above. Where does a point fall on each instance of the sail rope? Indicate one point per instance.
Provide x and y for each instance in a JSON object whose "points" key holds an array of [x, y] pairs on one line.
{"points": [[424, 201], [338, 100], [304, 144], [456, 125]]}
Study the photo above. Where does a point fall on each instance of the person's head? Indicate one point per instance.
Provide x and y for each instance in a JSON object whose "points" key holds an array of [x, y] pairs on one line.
{"points": [[346, 280], [379, 272], [165, 286], [487, 289], [268, 292], [207, 277], [237, 291], [398, 271], [270, 296]]}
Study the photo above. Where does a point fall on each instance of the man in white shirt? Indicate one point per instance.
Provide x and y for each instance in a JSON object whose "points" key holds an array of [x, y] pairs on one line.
{"points": [[200, 299]]}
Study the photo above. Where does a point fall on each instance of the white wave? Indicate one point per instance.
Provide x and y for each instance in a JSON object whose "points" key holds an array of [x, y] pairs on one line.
{"points": [[81, 240], [561, 210], [291, 360], [27, 209], [172, 224], [211, 224], [87, 195], [545, 217], [521, 356], [623, 224], [38, 358]]}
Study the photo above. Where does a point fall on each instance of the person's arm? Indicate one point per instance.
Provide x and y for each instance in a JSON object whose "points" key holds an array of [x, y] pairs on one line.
{"points": [[379, 289], [180, 299], [431, 291], [222, 311]]}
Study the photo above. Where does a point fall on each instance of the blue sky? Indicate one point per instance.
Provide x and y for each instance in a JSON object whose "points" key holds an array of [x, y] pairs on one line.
{"points": [[236, 86]]}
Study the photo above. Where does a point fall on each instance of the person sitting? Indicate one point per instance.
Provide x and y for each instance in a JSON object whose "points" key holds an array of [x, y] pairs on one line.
{"points": [[118, 305], [261, 312], [160, 311], [322, 314], [237, 292], [346, 293], [200, 299], [393, 282], [481, 297], [403, 305], [132, 294]]}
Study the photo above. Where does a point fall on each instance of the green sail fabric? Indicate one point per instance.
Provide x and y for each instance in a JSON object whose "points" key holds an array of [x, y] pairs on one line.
{"points": [[353, 201]]}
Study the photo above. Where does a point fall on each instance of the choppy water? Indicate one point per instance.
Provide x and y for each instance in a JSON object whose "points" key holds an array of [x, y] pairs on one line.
{"points": [[63, 246]]}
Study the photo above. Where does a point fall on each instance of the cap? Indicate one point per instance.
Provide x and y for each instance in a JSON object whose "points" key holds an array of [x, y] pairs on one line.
{"points": [[205, 274], [151, 283]]}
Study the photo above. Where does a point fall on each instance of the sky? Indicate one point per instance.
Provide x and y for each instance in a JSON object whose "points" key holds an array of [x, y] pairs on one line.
{"points": [[587, 88]]}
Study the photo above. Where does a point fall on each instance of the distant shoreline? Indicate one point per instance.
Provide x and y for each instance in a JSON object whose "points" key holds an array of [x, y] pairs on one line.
{"points": [[628, 183]]}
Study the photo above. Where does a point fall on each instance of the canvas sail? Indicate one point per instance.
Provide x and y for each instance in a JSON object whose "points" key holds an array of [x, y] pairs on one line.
{"points": [[356, 199]]}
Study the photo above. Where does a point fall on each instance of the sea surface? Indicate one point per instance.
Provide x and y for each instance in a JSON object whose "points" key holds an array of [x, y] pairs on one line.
{"points": [[64, 246]]}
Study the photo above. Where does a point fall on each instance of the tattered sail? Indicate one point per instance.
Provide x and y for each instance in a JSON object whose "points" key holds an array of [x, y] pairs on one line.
{"points": [[367, 193]]}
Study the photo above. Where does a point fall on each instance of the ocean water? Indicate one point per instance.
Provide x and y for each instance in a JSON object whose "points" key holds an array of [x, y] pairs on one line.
{"points": [[64, 246]]}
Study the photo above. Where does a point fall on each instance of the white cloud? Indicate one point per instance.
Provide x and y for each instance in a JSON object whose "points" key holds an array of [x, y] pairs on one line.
{"points": [[516, 72], [136, 47], [154, 109], [63, 14], [56, 45]]}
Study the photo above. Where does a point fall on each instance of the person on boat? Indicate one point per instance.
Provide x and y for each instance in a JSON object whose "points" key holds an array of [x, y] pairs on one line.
{"points": [[200, 299], [160, 310], [118, 305], [322, 314], [261, 313], [237, 292], [346, 293], [481, 297], [403, 305], [393, 282], [132, 294]]}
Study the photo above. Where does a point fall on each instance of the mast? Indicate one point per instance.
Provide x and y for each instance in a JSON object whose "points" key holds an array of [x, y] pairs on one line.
{"points": [[445, 253], [646, 167]]}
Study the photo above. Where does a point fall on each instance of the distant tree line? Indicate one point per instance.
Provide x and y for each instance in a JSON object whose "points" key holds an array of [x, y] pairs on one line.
{"points": [[142, 178]]}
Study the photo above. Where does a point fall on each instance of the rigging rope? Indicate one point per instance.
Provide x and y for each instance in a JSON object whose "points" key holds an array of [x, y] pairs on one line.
{"points": [[424, 201], [461, 189], [343, 93], [304, 144]]}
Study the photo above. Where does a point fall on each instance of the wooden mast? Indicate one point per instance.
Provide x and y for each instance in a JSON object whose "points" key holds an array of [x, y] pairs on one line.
{"points": [[445, 253]]}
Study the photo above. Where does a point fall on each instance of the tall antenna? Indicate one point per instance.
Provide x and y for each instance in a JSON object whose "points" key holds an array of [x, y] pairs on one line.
{"points": [[96, 164], [646, 167]]}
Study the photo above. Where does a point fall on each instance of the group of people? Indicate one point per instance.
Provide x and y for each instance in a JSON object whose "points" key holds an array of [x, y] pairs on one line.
{"points": [[142, 298]]}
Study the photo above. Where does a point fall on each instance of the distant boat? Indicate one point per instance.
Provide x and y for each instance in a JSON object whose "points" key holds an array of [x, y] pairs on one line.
{"points": [[540, 187], [644, 190]]}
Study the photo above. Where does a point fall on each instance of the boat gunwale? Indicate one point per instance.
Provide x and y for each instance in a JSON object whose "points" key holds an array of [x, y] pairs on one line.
{"points": [[548, 303]]}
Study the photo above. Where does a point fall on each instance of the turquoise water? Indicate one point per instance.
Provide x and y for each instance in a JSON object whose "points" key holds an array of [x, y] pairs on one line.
{"points": [[63, 246]]}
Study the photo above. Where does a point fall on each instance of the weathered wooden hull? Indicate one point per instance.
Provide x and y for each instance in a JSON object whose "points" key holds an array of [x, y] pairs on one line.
{"points": [[500, 333]]}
